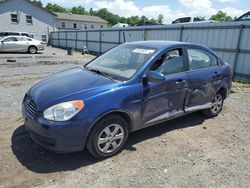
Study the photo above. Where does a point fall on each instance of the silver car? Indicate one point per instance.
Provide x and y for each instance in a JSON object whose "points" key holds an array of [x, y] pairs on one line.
{"points": [[20, 44]]}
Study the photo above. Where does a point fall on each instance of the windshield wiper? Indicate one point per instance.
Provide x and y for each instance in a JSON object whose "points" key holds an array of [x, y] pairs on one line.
{"points": [[100, 72]]}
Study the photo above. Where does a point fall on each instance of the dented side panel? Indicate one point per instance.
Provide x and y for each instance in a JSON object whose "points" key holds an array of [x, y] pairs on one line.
{"points": [[202, 87], [163, 100]]}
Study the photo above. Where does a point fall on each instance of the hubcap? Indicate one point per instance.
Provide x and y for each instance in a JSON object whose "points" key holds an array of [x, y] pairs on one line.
{"points": [[216, 104], [32, 50], [110, 138]]}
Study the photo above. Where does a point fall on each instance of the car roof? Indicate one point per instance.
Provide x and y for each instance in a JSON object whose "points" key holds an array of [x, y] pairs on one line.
{"points": [[159, 44], [10, 32], [17, 36], [163, 45]]}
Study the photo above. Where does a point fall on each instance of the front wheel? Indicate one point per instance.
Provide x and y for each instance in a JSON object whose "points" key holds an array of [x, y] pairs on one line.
{"points": [[32, 49], [107, 137], [216, 107]]}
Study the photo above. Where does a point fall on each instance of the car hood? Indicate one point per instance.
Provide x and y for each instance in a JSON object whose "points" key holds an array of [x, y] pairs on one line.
{"points": [[65, 84]]}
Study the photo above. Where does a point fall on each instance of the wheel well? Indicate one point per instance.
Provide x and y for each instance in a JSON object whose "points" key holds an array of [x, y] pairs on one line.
{"points": [[223, 92], [123, 115], [32, 46]]}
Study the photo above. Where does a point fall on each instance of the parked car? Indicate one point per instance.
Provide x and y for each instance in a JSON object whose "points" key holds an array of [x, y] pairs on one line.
{"points": [[244, 17], [20, 44], [192, 20], [5, 34], [130, 87]]}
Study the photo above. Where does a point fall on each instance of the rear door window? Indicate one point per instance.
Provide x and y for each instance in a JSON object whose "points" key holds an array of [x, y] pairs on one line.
{"points": [[22, 39], [199, 59]]}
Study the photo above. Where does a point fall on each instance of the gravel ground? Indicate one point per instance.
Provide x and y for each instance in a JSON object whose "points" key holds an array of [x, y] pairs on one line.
{"points": [[191, 151]]}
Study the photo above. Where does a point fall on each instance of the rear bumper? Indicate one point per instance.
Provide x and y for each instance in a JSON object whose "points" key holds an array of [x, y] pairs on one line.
{"points": [[61, 137]]}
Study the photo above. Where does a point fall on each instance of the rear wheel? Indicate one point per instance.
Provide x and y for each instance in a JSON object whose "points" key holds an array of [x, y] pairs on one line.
{"points": [[32, 49], [216, 107], [107, 137]]}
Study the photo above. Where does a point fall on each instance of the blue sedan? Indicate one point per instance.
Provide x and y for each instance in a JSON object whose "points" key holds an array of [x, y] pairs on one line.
{"points": [[130, 87]]}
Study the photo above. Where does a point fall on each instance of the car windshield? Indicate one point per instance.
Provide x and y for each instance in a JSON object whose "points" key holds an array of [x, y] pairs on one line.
{"points": [[122, 62]]}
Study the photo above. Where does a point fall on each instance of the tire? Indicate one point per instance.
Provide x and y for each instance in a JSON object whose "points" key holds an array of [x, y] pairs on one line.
{"points": [[32, 50], [216, 108], [107, 137]]}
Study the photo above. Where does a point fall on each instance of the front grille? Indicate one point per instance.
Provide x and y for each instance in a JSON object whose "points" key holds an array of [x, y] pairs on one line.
{"points": [[30, 106]]}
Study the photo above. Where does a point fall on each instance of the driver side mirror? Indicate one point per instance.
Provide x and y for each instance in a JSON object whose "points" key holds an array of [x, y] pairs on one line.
{"points": [[154, 76]]}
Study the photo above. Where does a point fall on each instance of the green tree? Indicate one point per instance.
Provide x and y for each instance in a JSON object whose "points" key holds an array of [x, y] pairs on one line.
{"points": [[133, 20], [56, 8], [143, 19], [38, 2], [91, 11], [160, 19], [221, 17], [110, 17], [102, 13], [79, 10], [153, 20], [123, 20]]}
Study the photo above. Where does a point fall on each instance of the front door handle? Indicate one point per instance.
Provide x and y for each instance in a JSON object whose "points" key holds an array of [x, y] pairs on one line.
{"points": [[216, 75], [181, 82]]}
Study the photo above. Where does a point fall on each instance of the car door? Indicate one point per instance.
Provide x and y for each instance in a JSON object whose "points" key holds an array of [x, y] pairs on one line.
{"points": [[23, 44], [204, 77], [10, 44], [165, 99]]}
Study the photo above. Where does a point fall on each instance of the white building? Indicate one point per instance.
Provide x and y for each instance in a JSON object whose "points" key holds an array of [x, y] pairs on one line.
{"points": [[25, 16], [68, 21]]}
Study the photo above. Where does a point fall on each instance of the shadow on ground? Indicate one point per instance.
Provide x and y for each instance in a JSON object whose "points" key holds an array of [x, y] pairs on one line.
{"points": [[40, 160]]}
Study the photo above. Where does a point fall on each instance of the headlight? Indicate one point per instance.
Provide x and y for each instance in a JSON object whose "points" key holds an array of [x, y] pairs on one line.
{"points": [[63, 111]]}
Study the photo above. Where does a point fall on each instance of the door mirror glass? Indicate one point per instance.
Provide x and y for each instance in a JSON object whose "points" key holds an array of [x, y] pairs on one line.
{"points": [[153, 76]]}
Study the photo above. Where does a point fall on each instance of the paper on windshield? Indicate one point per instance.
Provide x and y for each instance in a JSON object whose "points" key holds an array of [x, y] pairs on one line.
{"points": [[143, 51]]}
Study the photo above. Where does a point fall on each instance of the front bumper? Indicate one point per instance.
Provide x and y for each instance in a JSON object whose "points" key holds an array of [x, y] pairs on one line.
{"points": [[62, 137], [40, 47]]}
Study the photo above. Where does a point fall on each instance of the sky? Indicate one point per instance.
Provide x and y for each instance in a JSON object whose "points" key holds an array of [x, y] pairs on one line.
{"points": [[170, 9]]}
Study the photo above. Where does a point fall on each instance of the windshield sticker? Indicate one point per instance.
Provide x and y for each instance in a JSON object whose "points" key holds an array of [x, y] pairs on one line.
{"points": [[143, 51]]}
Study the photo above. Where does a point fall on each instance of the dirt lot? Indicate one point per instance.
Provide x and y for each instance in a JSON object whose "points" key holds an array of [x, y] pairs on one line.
{"points": [[191, 151]]}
